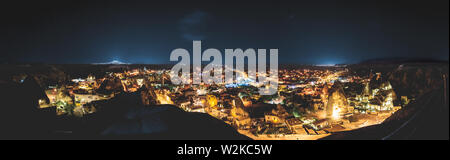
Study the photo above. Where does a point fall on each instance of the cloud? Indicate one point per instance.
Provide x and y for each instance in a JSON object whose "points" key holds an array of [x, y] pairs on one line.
{"points": [[193, 25]]}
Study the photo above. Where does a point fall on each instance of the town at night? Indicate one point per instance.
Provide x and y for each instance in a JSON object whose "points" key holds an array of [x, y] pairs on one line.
{"points": [[311, 102], [200, 79]]}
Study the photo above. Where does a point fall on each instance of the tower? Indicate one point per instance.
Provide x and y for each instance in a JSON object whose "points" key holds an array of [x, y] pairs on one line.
{"points": [[337, 102]]}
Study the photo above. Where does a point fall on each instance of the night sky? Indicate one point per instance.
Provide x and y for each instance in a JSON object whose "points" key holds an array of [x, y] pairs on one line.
{"points": [[307, 32]]}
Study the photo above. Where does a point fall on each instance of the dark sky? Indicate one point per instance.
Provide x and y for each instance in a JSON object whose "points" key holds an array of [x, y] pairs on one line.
{"points": [[311, 32]]}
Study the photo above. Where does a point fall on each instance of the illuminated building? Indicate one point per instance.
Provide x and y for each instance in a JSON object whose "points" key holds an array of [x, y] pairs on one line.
{"points": [[212, 100], [337, 102], [245, 98], [162, 97], [272, 118]]}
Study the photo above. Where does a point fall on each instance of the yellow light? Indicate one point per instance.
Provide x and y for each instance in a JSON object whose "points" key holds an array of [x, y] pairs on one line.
{"points": [[164, 99], [336, 111]]}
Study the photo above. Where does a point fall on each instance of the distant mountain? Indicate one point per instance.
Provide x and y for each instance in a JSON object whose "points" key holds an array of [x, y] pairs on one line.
{"points": [[401, 60], [114, 62]]}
